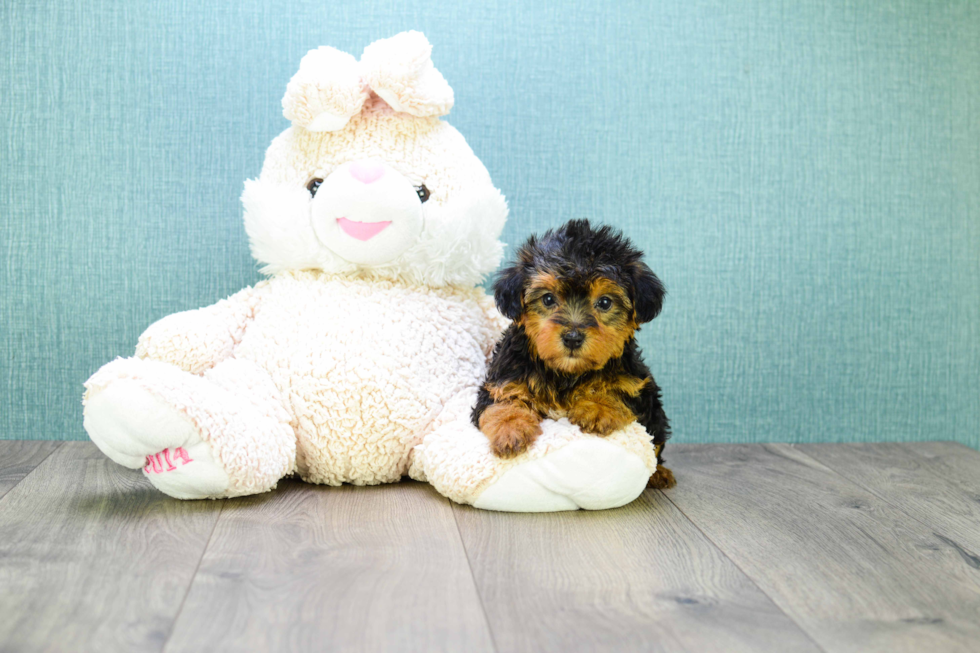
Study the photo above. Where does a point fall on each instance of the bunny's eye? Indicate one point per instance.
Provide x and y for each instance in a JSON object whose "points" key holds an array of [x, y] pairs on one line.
{"points": [[313, 185], [423, 193]]}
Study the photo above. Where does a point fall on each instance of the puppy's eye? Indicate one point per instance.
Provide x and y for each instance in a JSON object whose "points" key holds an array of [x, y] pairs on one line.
{"points": [[313, 185], [549, 300], [604, 304], [423, 193]]}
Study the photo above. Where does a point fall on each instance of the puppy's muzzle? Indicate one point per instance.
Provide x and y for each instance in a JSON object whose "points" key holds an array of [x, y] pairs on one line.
{"points": [[573, 339]]}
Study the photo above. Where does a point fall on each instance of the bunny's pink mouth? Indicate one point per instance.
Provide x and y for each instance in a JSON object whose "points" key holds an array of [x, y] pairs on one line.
{"points": [[362, 230]]}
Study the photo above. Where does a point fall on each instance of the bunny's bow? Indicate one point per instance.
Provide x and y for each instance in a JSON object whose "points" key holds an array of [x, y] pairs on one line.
{"points": [[331, 86]]}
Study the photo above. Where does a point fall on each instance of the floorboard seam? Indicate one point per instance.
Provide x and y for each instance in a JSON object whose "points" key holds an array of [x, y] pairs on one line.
{"points": [[772, 599], [476, 585], [40, 462], [190, 585]]}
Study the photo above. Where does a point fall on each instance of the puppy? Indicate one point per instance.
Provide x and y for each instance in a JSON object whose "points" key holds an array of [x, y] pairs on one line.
{"points": [[577, 296]]}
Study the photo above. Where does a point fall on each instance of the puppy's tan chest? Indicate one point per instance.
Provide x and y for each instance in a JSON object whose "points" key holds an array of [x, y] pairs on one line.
{"points": [[555, 402]]}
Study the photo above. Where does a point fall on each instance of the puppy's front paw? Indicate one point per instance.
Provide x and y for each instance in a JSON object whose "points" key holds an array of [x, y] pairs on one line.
{"points": [[510, 429], [600, 418]]}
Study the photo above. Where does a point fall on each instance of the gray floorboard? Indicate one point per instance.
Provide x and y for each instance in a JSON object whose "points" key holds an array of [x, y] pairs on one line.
{"points": [[639, 578], [314, 568], [958, 464], [759, 547], [927, 487], [19, 457], [855, 572], [92, 558]]}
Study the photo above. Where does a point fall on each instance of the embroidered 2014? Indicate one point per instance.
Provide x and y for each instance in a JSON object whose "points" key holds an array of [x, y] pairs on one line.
{"points": [[154, 464]]}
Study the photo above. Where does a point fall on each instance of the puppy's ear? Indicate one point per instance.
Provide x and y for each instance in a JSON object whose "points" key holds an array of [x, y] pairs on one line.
{"points": [[508, 291], [648, 293]]}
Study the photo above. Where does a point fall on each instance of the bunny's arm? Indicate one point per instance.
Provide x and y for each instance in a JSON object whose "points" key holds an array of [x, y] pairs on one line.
{"points": [[487, 332], [496, 324], [198, 340]]}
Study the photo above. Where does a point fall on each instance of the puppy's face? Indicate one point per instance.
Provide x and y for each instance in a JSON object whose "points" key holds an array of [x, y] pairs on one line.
{"points": [[576, 324], [580, 293]]}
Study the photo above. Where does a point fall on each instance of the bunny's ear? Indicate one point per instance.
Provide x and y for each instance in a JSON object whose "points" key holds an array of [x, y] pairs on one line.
{"points": [[326, 92], [400, 71]]}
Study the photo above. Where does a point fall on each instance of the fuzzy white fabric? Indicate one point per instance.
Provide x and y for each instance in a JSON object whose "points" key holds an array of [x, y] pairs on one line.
{"points": [[326, 92], [158, 427], [233, 407], [461, 221], [593, 474], [389, 201], [400, 70], [456, 459], [359, 360]]}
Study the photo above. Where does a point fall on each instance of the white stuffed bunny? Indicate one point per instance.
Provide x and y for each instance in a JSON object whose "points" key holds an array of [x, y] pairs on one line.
{"points": [[358, 360]]}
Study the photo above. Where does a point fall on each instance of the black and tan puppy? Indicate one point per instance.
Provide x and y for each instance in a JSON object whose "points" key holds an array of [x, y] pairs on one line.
{"points": [[576, 296]]}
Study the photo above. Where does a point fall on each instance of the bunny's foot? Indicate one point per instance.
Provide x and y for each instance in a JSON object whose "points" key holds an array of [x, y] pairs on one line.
{"points": [[221, 435]]}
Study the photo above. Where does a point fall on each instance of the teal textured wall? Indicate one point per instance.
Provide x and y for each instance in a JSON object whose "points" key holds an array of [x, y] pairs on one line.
{"points": [[804, 175]]}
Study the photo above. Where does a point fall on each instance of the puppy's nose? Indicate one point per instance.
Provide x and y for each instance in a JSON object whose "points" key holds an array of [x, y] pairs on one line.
{"points": [[573, 339], [367, 172]]}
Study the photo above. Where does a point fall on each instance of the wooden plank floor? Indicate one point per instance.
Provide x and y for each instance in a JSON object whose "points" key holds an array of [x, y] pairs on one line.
{"points": [[842, 547]]}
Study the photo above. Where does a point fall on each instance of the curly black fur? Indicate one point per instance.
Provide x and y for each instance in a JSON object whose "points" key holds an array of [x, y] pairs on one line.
{"points": [[578, 253]]}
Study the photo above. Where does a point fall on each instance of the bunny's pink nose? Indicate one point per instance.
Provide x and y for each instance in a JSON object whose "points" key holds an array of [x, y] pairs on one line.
{"points": [[366, 171]]}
